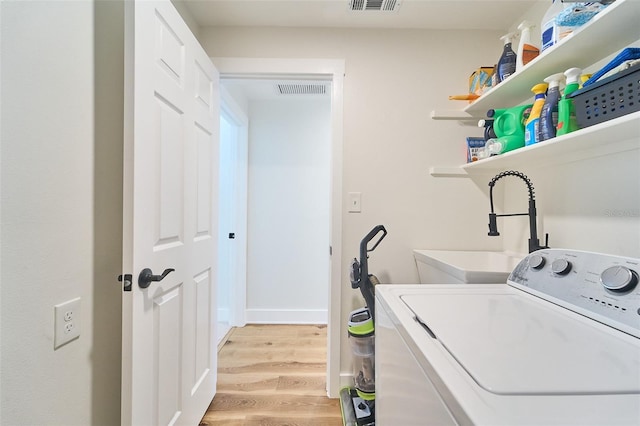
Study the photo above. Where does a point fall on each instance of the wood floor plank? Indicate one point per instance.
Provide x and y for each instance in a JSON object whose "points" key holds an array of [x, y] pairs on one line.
{"points": [[273, 375], [271, 421], [229, 383], [273, 353]]}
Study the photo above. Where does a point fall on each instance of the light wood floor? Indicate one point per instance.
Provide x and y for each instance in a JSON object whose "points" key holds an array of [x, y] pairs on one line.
{"points": [[273, 375]]}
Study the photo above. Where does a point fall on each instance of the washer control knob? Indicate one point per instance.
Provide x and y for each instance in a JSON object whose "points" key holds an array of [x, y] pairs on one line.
{"points": [[536, 261], [618, 278], [561, 266]]}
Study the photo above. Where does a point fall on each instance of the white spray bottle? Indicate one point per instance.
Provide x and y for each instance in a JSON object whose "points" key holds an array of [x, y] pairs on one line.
{"points": [[526, 51]]}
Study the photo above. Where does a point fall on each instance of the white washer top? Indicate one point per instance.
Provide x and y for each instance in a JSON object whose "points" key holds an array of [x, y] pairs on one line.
{"points": [[512, 343]]}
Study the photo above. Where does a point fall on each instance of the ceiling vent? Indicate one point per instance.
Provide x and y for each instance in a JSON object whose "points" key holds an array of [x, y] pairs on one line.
{"points": [[375, 5], [302, 89]]}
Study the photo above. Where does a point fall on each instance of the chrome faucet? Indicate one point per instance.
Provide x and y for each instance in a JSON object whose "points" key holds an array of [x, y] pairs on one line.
{"points": [[534, 242]]}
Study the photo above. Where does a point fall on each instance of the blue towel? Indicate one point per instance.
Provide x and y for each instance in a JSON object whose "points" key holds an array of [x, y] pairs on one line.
{"points": [[625, 55], [578, 14]]}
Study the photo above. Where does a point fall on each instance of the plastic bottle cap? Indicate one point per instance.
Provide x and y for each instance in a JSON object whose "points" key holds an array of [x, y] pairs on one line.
{"points": [[554, 80], [573, 75], [508, 37], [539, 88]]}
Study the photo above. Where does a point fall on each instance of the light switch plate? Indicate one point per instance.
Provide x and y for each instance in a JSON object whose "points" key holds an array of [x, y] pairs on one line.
{"points": [[355, 202], [67, 322]]}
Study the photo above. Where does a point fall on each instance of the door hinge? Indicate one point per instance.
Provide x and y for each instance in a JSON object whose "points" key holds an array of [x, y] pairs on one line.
{"points": [[128, 279], [330, 250]]}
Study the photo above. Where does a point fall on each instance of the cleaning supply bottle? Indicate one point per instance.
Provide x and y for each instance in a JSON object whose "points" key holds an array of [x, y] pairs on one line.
{"points": [[533, 122], [549, 28], [583, 78], [549, 113], [488, 128], [566, 109], [507, 62], [508, 125], [526, 51], [497, 146]]}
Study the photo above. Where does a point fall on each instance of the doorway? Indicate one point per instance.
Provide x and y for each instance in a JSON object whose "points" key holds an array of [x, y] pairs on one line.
{"points": [[332, 70], [232, 235]]}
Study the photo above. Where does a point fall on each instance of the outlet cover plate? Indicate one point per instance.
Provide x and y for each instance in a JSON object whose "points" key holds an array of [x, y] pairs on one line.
{"points": [[355, 202], [67, 322]]}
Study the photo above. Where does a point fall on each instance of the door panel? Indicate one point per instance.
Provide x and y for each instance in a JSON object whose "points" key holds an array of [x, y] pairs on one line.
{"points": [[168, 337], [171, 160]]}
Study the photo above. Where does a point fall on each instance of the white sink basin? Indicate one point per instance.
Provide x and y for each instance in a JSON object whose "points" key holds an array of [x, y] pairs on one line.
{"points": [[453, 266]]}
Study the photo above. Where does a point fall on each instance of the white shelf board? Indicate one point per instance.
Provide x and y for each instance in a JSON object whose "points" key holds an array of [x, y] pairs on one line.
{"points": [[617, 135], [452, 115], [448, 172], [609, 31]]}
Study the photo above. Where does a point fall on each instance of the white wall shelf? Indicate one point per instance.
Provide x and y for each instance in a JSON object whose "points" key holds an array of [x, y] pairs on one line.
{"points": [[618, 135], [448, 172], [590, 44], [452, 115]]}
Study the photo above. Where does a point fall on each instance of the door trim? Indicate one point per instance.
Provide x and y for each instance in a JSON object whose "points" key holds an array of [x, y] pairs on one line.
{"points": [[238, 294], [317, 69]]}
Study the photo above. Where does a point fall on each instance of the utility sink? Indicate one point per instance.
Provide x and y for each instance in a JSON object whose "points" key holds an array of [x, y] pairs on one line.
{"points": [[458, 266]]}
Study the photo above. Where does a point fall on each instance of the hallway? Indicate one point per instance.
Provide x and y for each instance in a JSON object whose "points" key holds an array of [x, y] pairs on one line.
{"points": [[273, 375]]}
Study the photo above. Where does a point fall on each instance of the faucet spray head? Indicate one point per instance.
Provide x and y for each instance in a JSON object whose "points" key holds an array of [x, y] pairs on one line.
{"points": [[493, 225]]}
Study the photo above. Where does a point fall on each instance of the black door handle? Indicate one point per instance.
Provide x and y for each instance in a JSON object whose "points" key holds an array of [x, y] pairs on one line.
{"points": [[146, 277]]}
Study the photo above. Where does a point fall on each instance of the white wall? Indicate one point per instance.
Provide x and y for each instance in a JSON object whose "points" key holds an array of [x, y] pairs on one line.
{"points": [[61, 209], [394, 78], [591, 205], [288, 210]]}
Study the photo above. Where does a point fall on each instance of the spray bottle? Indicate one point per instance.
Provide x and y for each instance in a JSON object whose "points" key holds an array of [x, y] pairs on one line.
{"points": [[533, 122], [566, 109], [526, 51], [549, 113], [507, 62]]}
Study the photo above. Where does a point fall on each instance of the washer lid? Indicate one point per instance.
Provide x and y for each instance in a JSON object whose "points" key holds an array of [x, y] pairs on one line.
{"points": [[517, 344]]}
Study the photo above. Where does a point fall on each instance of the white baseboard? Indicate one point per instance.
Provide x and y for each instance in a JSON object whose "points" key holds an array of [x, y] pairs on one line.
{"points": [[286, 316], [346, 380]]}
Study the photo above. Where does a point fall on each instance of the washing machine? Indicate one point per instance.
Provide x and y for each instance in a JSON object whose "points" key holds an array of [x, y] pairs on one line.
{"points": [[558, 344]]}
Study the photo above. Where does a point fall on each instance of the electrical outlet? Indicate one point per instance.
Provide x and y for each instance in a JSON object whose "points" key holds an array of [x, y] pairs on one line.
{"points": [[67, 322]]}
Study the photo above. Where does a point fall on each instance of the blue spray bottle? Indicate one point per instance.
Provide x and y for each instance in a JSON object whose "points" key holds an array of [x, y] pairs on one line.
{"points": [[507, 62], [549, 113]]}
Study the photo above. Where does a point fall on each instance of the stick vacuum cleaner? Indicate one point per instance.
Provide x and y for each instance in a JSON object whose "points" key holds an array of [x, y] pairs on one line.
{"points": [[358, 403]]}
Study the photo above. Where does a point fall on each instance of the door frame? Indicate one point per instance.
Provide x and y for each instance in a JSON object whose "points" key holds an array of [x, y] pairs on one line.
{"points": [[238, 293], [332, 69]]}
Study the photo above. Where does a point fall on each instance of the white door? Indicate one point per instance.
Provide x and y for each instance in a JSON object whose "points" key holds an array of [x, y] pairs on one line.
{"points": [[170, 219]]}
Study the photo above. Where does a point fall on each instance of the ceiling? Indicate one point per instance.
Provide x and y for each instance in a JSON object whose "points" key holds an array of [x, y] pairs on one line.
{"points": [[268, 89], [423, 14]]}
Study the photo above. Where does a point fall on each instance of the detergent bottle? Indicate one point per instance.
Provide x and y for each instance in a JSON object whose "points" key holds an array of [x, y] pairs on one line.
{"points": [[508, 125], [549, 27], [566, 109], [549, 113], [507, 62], [526, 51], [533, 122]]}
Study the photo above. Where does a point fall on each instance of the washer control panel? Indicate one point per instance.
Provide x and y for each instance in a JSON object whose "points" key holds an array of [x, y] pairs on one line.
{"points": [[600, 286]]}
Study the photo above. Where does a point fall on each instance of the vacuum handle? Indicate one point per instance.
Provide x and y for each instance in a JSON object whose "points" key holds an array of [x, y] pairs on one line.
{"points": [[365, 241]]}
